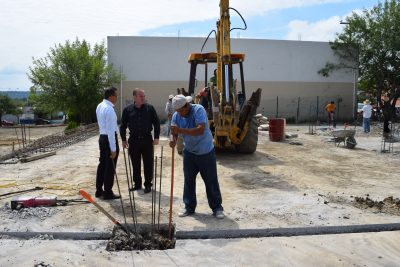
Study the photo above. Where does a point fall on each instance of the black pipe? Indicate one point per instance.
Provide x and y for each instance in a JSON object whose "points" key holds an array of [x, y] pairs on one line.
{"points": [[58, 235], [287, 232], [223, 234]]}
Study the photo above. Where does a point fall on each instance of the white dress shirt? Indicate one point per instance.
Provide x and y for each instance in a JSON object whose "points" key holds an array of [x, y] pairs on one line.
{"points": [[107, 120]]}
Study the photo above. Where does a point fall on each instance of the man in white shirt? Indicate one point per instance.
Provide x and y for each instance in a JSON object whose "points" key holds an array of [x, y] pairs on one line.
{"points": [[367, 113], [108, 143]]}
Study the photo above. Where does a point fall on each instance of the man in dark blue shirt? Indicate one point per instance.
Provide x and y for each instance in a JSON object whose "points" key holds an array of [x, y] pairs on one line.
{"points": [[140, 118]]}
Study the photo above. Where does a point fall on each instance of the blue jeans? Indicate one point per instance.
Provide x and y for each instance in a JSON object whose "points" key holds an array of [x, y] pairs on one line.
{"points": [[207, 166], [366, 125]]}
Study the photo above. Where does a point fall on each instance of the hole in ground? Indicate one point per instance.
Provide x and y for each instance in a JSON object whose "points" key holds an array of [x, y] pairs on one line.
{"points": [[146, 237]]}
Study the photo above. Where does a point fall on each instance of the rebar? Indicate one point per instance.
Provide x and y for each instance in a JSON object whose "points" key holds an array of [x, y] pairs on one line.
{"points": [[133, 193], [53, 142], [119, 191], [129, 192], [159, 190]]}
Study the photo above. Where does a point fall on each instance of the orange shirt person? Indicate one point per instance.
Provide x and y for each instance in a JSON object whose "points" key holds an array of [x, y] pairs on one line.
{"points": [[330, 108]]}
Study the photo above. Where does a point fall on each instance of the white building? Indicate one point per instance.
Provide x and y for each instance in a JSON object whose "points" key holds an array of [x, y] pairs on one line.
{"points": [[287, 72]]}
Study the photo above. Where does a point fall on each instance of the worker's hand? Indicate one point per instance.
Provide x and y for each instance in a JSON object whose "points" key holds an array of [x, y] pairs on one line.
{"points": [[172, 143], [175, 130], [156, 142], [125, 144], [113, 155]]}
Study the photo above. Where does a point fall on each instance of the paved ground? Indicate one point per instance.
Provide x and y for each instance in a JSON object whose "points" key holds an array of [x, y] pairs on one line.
{"points": [[281, 185]]}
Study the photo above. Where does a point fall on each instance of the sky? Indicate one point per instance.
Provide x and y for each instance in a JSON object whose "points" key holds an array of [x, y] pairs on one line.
{"points": [[29, 28]]}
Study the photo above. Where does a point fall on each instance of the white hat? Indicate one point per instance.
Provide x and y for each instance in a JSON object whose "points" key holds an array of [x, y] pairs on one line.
{"points": [[170, 96], [180, 100]]}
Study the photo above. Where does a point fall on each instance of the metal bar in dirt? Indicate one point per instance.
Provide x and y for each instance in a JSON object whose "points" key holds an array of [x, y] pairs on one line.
{"points": [[22, 191], [119, 191], [129, 192], [171, 195], [159, 190], [155, 194], [16, 133], [133, 192]]}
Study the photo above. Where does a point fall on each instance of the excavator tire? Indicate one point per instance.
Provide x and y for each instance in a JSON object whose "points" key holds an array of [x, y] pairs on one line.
{"points": [[249, 143]]}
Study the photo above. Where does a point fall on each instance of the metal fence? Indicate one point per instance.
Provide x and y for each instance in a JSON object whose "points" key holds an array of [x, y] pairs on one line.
{"points": [[305, 109]]}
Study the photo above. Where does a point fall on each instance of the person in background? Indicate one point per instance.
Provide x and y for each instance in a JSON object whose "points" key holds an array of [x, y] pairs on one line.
{"points": [[190, 121], [169, 110], [330, 109], [213, 79], [367, 113], [108, 144], [140, 117]]}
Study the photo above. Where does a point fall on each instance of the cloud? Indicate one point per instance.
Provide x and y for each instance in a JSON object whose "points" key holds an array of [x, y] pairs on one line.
{"points": [[323, 30], [30, 27]]}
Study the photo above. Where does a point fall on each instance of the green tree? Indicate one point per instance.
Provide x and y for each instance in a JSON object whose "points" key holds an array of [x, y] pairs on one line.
{"points": [[72, 78], [370, 43], [7, 106]]}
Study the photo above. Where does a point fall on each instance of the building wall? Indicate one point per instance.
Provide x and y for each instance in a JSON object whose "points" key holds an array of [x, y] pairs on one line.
{"points": [[285, 70]]}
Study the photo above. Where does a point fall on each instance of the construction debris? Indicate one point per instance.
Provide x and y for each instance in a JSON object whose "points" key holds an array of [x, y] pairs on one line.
{"points": [[52, 142]]}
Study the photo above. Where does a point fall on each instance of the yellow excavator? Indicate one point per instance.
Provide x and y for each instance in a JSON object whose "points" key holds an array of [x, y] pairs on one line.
{"points": [[231, 115]]}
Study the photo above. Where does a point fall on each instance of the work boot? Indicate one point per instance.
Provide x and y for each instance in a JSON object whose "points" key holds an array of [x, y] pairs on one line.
{"points": [[110, 196], [147, 189], [219, 214], [99, 193], [185, 212], [136, 187]]}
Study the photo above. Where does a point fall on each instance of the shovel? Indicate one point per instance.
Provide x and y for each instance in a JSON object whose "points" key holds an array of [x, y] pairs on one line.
{"points": [[91, 200]]}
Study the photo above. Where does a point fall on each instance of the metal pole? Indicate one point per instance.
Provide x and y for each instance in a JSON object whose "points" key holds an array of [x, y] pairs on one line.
{"points": [[298, 110], [121, 68], [354, 94], [171, 197], [119, 191], [159, 190], [133, 193], [129, 192]]}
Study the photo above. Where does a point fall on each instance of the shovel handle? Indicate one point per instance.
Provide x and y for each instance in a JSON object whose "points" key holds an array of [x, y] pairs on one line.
{"points": [[86, 196]]}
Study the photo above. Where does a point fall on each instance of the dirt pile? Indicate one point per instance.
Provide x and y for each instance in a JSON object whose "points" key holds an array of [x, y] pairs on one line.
{"points": [[388, 205]]}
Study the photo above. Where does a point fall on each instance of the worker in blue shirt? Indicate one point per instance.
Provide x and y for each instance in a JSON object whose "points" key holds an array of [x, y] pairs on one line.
{"points": [[190, 121]]}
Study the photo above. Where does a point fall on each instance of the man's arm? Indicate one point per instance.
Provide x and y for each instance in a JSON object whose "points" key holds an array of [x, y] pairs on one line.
{"points": [[156, 125], [200, 122], [122, 128], [198, 130], [111, 123]]}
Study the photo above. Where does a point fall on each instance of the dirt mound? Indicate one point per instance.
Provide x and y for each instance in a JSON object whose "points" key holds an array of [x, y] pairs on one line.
{"points": [[388, 205]]}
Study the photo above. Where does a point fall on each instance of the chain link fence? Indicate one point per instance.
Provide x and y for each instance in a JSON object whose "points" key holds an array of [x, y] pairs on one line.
{"points": [[305, 109]]}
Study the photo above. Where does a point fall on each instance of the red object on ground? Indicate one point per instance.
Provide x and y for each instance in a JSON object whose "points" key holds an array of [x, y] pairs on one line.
{"points": [[277, 129]]}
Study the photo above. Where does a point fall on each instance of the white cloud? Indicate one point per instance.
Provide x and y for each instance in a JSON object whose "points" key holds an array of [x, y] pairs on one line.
{"points": [[30, 27], [323, 30]]}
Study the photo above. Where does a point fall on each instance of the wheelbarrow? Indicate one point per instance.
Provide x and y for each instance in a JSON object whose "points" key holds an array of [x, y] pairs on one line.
{"points": [[346, 136]]}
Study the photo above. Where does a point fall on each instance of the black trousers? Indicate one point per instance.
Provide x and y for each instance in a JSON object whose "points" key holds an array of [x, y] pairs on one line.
{"points": [[138, 149], [105, 169]]}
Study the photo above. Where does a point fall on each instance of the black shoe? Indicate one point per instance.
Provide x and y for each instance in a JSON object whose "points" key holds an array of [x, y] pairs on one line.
{"points": [[147, 190], [111, 196], [99, 193], [135, 188]]}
